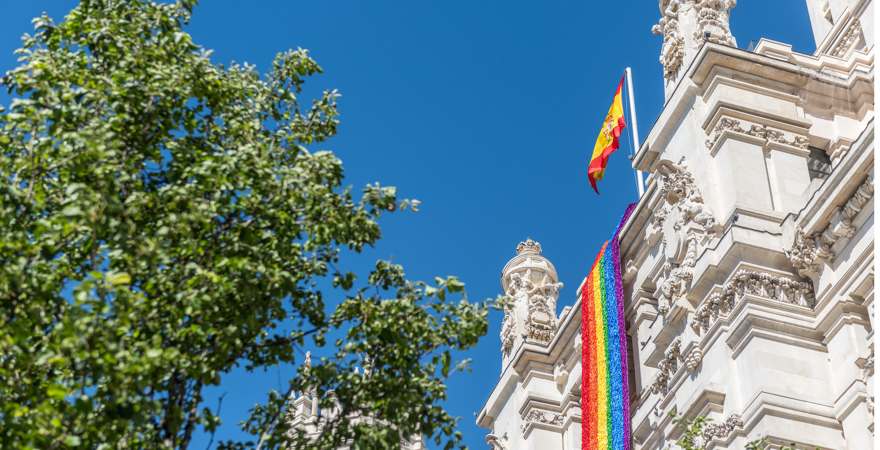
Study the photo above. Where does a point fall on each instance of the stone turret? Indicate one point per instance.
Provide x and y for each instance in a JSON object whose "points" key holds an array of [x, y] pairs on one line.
{"points": [[685, 25], [530, 280]]}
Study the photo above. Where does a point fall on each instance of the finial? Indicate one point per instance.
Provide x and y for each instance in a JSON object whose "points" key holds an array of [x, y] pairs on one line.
{"points": [[308, 362], [528, 246]]}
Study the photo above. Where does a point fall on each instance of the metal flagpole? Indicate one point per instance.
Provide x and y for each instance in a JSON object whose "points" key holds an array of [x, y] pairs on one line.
{"points": [[635, 127]]}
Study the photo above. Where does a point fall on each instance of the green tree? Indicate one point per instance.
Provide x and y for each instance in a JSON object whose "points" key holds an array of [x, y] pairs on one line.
{"points": [[165, 219]]}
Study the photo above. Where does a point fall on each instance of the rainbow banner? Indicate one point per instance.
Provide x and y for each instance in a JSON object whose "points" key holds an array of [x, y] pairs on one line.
{"points": [[605, 419]]}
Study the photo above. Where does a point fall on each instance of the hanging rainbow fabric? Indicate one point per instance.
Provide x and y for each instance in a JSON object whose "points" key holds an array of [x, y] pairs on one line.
{"points": [[605, 419]]}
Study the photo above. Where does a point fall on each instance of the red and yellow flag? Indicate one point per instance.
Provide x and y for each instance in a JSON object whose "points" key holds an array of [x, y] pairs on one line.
{"points": [[608, 139]]}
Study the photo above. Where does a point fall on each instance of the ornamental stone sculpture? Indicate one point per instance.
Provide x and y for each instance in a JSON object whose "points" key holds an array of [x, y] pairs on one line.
{"points": [[530, 282]]}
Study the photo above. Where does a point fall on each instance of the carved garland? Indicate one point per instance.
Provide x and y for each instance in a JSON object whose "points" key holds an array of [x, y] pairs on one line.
{"points": [[759, 284], [722, 430], [536, 416], [756, 130], [809, 251]]}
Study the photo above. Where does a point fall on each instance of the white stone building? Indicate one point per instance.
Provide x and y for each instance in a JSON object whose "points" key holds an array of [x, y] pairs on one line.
{"points": [[749, 277]]}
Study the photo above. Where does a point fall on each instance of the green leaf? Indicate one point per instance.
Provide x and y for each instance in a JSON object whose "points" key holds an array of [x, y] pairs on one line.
{"points": [[119, 278]]}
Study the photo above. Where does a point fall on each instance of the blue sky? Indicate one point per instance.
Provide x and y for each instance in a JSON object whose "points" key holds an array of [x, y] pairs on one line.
{"points": [[486, 111]]}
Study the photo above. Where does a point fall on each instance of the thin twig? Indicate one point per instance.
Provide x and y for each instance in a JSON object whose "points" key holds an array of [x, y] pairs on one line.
{"points": [[216, 414]]}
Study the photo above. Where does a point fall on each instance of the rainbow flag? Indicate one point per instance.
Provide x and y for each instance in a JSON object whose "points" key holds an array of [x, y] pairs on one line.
{"points": [[609, 138], [605, 419]]}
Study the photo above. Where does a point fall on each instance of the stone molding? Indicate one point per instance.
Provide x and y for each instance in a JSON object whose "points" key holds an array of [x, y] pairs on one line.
{"points": [[537, 416], [760, 284], [848, 41], [760, 131], [808, 252]]}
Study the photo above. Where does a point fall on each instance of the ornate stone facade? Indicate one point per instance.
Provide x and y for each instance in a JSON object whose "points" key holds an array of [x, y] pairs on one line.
{"points": [[748, 277], [672, 53], [685, 26], [808, 252]]}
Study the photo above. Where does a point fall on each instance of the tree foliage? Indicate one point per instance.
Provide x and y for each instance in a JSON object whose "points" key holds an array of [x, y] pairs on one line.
{"points": [[164, 219]]}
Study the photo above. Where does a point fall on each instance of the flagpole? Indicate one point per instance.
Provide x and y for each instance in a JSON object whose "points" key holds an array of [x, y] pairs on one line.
{"points": [[635, 127]]}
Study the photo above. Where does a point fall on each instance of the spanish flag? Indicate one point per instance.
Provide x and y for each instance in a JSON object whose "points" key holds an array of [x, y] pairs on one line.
{"points": [[608, 139]]}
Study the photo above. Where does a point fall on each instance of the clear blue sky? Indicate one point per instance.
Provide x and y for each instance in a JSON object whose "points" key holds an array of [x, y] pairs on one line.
{"points": [[484, 110]]}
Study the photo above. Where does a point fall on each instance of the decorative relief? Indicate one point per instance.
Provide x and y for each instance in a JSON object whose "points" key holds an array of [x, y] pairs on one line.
{"points": [[808, 252], [536, 416], [496, 443], [528, 246], [672, 52], [756, 130], [530, 281], [693, 359], [722, 430], [759, 284], [713, 17], [507, 332], [560, 375], [667, 368], [866, 364], [541, 300], [851, 36], [685, 224], [724, 124]]}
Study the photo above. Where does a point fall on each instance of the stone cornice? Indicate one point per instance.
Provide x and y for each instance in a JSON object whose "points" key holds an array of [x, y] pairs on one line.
{"points": [[837, 188], [804, 72]]}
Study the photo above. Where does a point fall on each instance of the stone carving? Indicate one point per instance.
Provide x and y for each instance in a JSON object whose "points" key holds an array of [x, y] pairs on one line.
{"points": [[667, 367], [495, 443], [675, 285], [672, 52], [713, 17], [806, 254], [724, 124], [722, 430], [678, 189], [560, 375], [528, 246], [809, 251], [541, 300], [759, 284], [851, 36], [756, 130], [693, 359], [542, 417], [507, 331], [685, 222], [530, 280]]}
